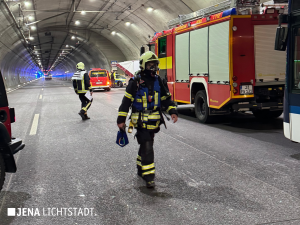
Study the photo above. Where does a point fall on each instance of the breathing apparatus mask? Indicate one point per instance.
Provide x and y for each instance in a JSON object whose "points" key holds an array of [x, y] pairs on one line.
{"points": [[151, 68]]}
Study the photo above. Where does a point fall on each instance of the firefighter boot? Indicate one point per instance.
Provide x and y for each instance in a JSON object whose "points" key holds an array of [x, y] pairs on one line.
{"points": [[81, 113], [150, 184], [86, 117]]}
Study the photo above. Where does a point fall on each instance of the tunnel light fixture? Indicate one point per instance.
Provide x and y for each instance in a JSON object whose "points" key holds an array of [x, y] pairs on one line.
{"points": [[30, 18], [73, 37], [33, 27], [127, 24], [83, 12], [67, 46], [27, 3], [150, 9], [31, 38], [77, 22], [113, 33]]}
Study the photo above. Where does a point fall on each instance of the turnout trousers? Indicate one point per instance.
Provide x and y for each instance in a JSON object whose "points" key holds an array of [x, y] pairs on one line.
{"points": [[145, 158], [85, 103]]}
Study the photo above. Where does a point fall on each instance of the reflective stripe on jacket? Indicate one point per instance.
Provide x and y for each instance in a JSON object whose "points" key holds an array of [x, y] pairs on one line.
{"points": [[81, 82], [147, 107]]}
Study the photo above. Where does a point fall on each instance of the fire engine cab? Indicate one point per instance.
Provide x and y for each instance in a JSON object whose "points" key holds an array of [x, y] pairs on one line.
{"points": [[222, 59]]}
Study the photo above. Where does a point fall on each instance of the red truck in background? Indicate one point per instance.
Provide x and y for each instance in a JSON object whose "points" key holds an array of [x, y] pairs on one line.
{"points": [[224, 62], [8, 145]]}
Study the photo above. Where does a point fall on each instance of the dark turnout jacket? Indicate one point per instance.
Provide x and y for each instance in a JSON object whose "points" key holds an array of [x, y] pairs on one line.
{"points": [[166, 103], [81, 82]]}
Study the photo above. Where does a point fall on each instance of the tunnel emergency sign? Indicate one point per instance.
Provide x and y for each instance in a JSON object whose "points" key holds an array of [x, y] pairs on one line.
{"points": [[114, 65]]}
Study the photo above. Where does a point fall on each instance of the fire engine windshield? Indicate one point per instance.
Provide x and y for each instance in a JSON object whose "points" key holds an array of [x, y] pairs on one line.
{"points": [[152, 48], [98, 74]]}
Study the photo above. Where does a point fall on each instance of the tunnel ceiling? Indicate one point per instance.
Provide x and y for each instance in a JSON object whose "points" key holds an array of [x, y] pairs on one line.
{"points": [[63, 32]]}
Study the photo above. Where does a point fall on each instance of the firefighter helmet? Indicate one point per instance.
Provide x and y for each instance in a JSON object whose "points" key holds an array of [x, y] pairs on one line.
{"points": [[80, 66], [147, 57]]}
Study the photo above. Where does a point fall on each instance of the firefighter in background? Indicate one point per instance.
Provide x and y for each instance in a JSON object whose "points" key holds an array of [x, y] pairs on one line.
{"points": [[112, 78], [81, 84], [148, 95]]}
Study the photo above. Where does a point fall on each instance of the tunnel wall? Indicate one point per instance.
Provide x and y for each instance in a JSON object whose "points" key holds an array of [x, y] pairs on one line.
{"points": [[15, 62]]}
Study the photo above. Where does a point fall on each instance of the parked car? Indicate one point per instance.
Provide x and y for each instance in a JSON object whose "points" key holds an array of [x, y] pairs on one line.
{"points": [[8, 144], [120, 80]]}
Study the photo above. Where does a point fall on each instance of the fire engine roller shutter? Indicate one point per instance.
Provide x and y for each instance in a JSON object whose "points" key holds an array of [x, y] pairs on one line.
{"points": [[219, 52], [269, 63], [182, 56], [199, 51]]}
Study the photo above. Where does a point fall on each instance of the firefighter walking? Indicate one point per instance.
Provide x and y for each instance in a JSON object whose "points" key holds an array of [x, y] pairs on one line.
{"points": [[148, 95], [112, 79], [81, 84]]}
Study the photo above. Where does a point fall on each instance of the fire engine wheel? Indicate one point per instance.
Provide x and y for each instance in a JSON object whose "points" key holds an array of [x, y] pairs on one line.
{"points": [[2, 171], [107, 89], [201, 107], [267, 114]]}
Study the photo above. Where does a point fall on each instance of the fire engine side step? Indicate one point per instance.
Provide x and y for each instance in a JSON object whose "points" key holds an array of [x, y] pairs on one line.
{"points": [[223, 111], [185, 106], [266, 105]]}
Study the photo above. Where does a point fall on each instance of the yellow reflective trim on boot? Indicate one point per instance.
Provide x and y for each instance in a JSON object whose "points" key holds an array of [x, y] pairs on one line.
{"points": [[139, 157], [148, 172], [147, 167]]}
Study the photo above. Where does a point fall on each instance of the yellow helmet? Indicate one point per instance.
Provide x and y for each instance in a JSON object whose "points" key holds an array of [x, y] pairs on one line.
{"points": [[80, 66], [147, 57]]}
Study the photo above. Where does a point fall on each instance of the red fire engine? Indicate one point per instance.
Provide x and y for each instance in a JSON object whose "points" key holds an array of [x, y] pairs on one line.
{"points": [[224, 62]]}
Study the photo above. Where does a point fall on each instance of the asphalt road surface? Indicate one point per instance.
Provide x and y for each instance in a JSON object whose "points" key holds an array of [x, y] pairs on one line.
{"points": [[237, 170]]}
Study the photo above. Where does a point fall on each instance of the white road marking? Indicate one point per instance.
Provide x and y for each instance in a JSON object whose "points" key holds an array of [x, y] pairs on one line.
{"points": [[41, 96], [34, 124]]}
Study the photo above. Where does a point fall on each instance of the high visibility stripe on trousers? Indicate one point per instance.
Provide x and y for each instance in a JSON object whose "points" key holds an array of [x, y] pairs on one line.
{"points": [[148, 169], [139, 161], [86, 108]]}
